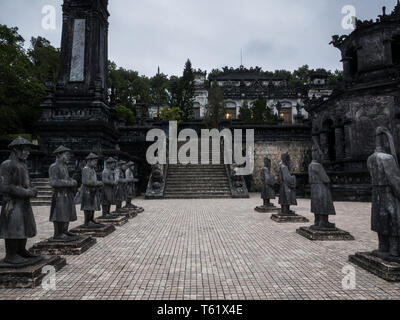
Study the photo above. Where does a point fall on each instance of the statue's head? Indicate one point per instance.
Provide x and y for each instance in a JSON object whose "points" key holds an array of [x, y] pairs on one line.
{"points": [[316, 153], [21, 148], [111, 163], [122, 165], [286, 159], [92, 160], [267, 163], [382, 140], [63, 154]]}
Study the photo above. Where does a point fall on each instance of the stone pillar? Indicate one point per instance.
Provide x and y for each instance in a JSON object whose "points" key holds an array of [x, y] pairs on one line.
{"points": [[324, 144], [339, 140], [387, 52], [347, 140], [346, 69]]}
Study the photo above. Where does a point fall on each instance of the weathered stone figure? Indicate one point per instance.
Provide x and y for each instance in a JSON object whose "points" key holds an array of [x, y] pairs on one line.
{"points": [[63, 210], [268, 183], [17, 222], [287, 194], [110, 185], [130, 186], [321, 197], [384, 168], [120, 194], [90, 192]]}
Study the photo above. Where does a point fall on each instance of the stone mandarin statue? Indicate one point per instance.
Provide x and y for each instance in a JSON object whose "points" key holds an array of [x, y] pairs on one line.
{"points": [[17, 222], [63, 210], [130, 187], [121, 187], [90, 192], [268, 184], [287, 194], [384, 168], [321, 197], [110, 185]]}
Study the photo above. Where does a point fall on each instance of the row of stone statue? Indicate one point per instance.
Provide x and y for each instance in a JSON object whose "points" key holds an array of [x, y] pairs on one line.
{"points": [[321, 197], [17, 222], [384, 169]]}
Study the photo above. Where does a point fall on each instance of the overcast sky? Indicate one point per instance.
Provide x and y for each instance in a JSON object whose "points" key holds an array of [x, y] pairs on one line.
{"points": [[273, 34]]}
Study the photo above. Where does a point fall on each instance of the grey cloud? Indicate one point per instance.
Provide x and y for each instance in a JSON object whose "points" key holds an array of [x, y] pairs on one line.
{"points": [[273, 34]]}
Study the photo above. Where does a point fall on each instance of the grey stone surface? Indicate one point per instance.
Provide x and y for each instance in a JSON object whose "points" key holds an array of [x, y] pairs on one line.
{"points": [[197, 249], [78, 51]]}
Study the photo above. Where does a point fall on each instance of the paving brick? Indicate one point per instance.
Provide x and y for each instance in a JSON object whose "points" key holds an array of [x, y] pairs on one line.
{"points": [[214, 249]]}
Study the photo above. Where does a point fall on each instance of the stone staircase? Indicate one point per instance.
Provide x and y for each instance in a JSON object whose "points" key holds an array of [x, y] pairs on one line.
{"points": [[45, 193], [197, 182]]}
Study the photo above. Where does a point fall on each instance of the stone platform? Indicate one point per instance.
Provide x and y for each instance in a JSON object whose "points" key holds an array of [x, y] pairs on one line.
{"points": [[129, 214], [263, 209], [389, 271], [294, 218], [73, 248], [29, 277], [97, 233], [325, 235], [117, 220]]}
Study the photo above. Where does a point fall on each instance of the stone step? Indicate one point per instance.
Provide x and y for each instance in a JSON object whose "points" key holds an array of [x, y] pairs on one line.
{"points": [[40, 203], [43, 198], [197, 196]]}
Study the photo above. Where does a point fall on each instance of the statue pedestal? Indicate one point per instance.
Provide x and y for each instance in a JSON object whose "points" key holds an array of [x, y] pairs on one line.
{"points": [[97, 233], [389, 271], [263, 209], [324, 235], [74, 248], [129, 214], [291, 218], [28, 277], [116, 220]]}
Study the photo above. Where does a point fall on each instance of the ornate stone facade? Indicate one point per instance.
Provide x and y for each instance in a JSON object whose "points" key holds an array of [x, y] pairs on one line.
{"points": [[345, 123]]}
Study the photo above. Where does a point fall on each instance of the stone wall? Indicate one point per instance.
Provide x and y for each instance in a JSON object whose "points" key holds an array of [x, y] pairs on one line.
{"points": [[273, 150]]}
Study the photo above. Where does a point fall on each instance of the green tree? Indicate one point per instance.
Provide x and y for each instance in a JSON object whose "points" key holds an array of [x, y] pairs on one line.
{"points": [[171, 114], [245, 113], [45, 59], [335, 77], [158, 90], [20, 91], [262, 114], [216, 109], [300, 76], [186, 90], [126, 114], [126, 86]]}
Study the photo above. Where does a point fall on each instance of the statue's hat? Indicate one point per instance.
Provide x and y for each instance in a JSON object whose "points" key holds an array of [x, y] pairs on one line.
{"points": [[61, 149], [130, 163], [92, 156], [20, 142], [111, 160], [121, 162]]}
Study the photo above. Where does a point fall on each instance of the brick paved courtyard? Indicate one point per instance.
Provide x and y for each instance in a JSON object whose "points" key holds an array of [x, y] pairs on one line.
{"points": [[214, 249]]}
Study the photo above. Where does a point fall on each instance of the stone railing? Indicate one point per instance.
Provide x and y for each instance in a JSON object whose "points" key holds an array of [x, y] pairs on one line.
{"points": [[237, 183]]}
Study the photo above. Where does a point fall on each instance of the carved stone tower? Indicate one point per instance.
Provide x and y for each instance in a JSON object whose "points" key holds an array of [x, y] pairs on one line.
{"points": [[77, 113]]}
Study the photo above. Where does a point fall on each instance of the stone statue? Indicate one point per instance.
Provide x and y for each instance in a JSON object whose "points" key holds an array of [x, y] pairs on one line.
{"points": [[63, 210], [120, 194], [321, 197], [130, 185], [287, 191], [268, 184], [17, 222], [384, 168], [110, 185], [90, 192]]}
